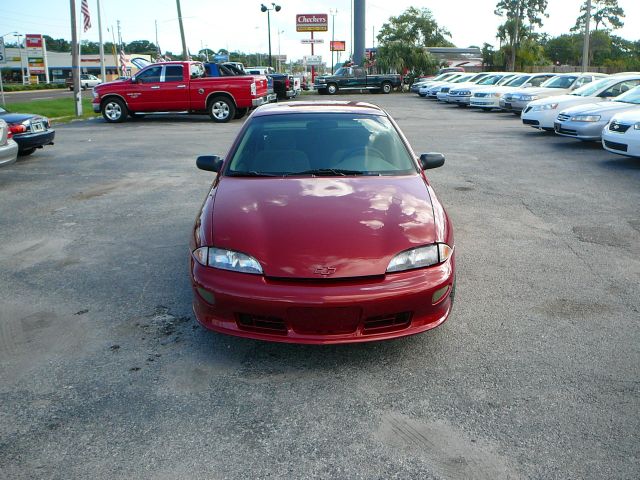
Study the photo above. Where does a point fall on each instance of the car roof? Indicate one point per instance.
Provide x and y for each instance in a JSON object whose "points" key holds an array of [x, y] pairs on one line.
{"points": [[321, 106]]}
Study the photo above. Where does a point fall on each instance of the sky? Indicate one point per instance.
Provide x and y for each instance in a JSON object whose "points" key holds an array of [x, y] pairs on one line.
{"points": [[240, 25]]}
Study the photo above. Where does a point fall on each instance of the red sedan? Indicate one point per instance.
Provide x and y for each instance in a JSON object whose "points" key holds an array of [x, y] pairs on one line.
{"points": [[321, 227]]}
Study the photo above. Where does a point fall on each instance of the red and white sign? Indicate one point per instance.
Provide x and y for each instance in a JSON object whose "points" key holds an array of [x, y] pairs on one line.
{"points": [[312, 22], [36, 53], [338, 46]]}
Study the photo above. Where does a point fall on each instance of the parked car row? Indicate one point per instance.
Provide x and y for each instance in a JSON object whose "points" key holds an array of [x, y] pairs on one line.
{"points": [[585, 106]]}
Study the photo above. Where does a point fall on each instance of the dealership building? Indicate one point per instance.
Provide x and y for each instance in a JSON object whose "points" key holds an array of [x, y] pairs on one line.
{"points": [[55, 67]]}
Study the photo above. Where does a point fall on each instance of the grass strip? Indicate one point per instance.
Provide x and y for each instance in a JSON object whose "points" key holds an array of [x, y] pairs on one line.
{"points": [[58, 110]]}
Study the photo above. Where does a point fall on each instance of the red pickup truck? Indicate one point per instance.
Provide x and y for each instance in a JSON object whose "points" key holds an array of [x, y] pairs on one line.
{"points": [[179, 87]]}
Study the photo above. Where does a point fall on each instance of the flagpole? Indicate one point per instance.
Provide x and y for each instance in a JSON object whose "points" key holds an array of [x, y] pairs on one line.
{"points": [[74, 60], [103, 70]]}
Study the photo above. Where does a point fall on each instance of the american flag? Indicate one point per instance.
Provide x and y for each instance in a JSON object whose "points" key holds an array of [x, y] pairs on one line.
{"points": [[86, 17], [123, 63]]}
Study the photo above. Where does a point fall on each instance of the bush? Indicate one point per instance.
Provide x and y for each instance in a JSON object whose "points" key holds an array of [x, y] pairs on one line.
{"points": [[40, 86]]}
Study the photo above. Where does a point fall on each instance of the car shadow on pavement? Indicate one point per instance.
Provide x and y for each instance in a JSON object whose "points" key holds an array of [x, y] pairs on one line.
{"points": [[621, 163]]}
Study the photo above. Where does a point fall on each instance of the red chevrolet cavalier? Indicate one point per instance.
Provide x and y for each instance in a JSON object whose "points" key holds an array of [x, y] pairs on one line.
{"points": [[321, 227]]}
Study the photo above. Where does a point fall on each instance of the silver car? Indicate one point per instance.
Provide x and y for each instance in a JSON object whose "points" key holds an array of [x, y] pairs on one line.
{"points": [[585, 122], [8, 148]]}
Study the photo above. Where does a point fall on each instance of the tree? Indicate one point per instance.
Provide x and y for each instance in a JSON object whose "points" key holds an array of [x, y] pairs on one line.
{"points": [[141, 46], [57, 44], [415, 26], [403, 57], [565, 49], [604, 13], [517, 11]]}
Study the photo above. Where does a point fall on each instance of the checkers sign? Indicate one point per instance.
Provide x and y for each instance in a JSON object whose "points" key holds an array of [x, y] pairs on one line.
{"points": [[315, 22]]}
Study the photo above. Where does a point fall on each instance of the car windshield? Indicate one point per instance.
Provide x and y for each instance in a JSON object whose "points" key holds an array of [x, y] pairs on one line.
{"points": [[504, 80], [490, 80], [318, 144], [559, 82], [517, 81], [590, 89], [632, 96], [464, 78]]}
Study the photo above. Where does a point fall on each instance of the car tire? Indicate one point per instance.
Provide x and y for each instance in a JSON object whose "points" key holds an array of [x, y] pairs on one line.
{"points": [[240, 112], [386, 87], [71, 89], [114, 110], [332, 89], [26, 152], [221, 109]]}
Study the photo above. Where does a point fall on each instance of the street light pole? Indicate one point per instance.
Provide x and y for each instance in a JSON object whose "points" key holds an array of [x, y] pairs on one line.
{"points": [[264, 8], [333, 12], [185, 52], [21, 60]]}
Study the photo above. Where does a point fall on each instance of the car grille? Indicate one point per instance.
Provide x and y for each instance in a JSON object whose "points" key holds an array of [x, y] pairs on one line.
{"points": [[618, 127], [616, 146], [563, 117], [566, 131], [324, 321], [387, 323], [481, 95], [261, 324], [526, 121]]}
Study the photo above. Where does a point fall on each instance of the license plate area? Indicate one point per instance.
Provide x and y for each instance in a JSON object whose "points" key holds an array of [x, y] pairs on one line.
{"points": [[324, 321], [37, 127]]}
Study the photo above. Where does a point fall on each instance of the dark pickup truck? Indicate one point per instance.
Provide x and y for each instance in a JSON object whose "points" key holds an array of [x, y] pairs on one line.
{"points": [[355, 78]]}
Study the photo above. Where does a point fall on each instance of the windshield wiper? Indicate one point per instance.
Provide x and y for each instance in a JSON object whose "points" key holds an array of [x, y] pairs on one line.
{"points": [[252, 173], [331, 172]]}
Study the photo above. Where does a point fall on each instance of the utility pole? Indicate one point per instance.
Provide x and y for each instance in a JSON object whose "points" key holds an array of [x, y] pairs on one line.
{"points": [[585, 46], [18, 35], [103, 70], [75, 72], [185, 53], [119, 35], [515, 39], [333, 12], [159, 52]]}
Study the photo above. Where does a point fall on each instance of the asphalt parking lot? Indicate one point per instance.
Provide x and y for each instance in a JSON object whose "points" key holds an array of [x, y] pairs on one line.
{"points": [[104, 372]]}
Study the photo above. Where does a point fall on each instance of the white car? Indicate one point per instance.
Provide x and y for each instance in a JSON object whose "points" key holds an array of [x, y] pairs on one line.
{"points": [[86, 81], [462, 95], [425, 90], [622, 134], [8, 147], [415, 86], [469, 79], [542, 113], [489, 98]]}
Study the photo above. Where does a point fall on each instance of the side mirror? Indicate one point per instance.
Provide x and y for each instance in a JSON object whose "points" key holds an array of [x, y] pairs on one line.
{"points": [[210, 163], [431, 160]]}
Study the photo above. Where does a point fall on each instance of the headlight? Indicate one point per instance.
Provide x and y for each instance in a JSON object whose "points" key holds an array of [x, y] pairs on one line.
{"points": [[546, 106], [420, 257], [528, 98], [585, 118], [636, 126], [227, 260], [464, 93]]}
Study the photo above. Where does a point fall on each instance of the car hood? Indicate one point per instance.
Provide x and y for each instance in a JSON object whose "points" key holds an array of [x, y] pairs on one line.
{"points": [[600, 108], [543, 91], [298, 227], [17, 117], [628, 117]]}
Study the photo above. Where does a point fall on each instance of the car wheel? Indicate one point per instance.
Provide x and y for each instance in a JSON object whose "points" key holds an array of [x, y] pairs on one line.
{"points": [[83, 87], [26, 151], [332, 89], [240, 112], [386, 87], [114, 110], [221, 110], [71, 89]]}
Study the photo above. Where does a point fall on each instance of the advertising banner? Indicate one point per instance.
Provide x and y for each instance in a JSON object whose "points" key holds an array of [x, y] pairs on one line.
{"points": [[338, 46], [314, 22], [36, 62]]}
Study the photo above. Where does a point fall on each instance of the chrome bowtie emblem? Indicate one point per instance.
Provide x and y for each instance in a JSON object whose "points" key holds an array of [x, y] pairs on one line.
{"points": [[324, 271]]}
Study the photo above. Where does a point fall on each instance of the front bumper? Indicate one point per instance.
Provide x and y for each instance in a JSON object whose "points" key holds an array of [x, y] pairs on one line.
{"points": [[459, 99], [484, 102], [627, 143], [96, 107], [321, 312], [515, 106], [588, 131], [27, 141], [8, 153], [539, 118]]}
